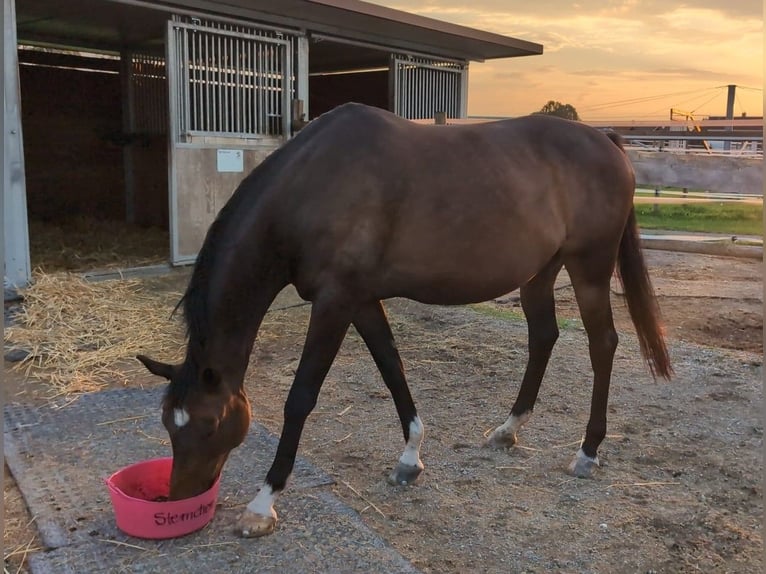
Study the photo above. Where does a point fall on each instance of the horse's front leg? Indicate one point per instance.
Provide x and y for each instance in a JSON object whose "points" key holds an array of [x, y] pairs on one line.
{"points": [[370, 320], [327, 328]]}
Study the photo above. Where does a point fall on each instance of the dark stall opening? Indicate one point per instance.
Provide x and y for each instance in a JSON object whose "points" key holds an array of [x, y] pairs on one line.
{"points": [[76, 141]]}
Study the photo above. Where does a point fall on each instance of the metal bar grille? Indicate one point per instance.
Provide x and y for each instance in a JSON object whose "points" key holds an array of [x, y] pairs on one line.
{"points": [[423, 87], [233, 80], [150, 94]]}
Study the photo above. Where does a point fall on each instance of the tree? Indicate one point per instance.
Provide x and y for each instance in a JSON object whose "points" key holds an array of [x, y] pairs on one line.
{"points": [[554, 108]]}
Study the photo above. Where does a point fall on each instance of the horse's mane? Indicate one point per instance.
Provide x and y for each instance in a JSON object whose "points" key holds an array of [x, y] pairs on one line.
{"points": [[195, 300], [195, 303]]}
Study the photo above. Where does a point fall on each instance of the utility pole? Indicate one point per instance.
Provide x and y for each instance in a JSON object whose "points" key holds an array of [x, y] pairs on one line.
{"points": [[729, 113]]}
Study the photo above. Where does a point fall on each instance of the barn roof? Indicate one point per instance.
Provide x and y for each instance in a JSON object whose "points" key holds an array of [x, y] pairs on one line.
{"points": [[118, 24]]}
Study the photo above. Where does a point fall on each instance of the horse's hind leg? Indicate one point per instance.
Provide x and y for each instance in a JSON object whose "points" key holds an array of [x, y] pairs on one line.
{"points": [[591, 275], [540, 310], [373, 326]]}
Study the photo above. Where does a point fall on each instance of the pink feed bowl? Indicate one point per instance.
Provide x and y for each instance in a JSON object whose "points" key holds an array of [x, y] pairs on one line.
{"points": [[139, 495]]}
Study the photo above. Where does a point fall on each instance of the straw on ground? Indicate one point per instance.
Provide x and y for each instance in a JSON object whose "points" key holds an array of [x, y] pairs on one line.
{"points": [[78, 333]]}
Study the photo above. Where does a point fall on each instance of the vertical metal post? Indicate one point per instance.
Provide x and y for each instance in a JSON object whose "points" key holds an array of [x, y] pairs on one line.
{"points": [[731, 94], [420, 82], [656, 206], [302, 75], [270, 84], [202, 109], [15, 225], [252, 99], [171, 59], [185, 78], [463, 109], [393, 84], [429, 93], [217, 75], [262, 90], [287, 92], [225, 64], [238, 84], [128, 127]]}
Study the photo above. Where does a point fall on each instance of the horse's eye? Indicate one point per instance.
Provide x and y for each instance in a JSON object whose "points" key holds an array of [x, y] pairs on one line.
{"points": [[208, 426]]}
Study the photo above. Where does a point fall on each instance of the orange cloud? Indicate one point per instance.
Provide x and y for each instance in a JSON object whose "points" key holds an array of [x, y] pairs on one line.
{"points": [[599, 54]]}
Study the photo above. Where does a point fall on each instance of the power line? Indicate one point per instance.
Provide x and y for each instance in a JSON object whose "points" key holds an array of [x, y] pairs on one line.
{"points": [[692, 103], [739, 103], [705, 102], [618, 103]]}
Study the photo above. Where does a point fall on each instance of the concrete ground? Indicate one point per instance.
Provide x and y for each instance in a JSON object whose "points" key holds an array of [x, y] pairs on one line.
{"points": [[61, 456]]}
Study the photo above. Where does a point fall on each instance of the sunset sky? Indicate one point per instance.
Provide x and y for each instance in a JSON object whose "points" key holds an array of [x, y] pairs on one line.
{"points": [[614, 59]]}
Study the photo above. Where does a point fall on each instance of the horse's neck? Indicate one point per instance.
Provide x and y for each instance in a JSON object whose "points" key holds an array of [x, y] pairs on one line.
{"points": [[240, 305], [238, 280]]}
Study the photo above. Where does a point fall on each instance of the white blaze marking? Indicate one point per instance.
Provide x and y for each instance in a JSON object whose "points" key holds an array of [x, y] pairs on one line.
{"points": [[411, 454], [263, 503], [180, 417]]}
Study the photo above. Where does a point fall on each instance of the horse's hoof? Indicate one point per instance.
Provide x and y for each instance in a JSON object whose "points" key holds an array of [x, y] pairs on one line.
{"points": [[500, 441], [405, 474], [252, 525], [583, 466]]}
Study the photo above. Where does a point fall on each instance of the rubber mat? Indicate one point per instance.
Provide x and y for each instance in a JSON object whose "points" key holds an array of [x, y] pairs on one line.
{"points": [[60, 455]]}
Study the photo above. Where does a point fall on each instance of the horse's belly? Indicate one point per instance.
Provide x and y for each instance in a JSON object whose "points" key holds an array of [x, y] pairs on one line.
{"points": [[459, 271], [456, 286], [446, 294]]}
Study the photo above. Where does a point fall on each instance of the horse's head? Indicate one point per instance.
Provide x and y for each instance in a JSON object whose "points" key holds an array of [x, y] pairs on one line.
{"points": [[206, 419]]}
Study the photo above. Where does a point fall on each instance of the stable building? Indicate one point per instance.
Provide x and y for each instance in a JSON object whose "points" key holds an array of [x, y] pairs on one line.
{"points": [[150, 112]]}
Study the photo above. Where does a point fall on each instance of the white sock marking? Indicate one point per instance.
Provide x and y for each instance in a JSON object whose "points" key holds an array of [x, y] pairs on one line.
{"points": [[582, 456], [411, 454], [263, 503], [180, 417], [512, 425]]}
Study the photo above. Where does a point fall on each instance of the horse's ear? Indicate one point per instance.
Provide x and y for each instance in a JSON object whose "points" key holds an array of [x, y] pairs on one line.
{"points": [[156, 367]]}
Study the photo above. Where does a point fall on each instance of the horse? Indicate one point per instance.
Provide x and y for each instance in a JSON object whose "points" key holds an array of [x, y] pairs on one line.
{"points": [[362, 206]]}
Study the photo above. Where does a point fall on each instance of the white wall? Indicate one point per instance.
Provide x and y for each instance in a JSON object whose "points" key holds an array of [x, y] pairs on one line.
{"points": [[721, 174]]}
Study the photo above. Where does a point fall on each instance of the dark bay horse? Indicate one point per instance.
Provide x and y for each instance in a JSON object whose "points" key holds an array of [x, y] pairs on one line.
{"points": [[363, 206]]}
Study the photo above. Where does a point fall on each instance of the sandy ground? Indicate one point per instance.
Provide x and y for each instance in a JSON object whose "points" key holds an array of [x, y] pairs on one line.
{"points": [[680, 485]]}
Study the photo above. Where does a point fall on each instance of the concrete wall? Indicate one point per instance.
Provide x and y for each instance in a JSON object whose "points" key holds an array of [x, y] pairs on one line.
{"points": [[722, 174]]}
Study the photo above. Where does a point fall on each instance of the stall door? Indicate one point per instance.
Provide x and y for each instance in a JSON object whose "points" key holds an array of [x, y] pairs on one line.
{"points": [[422, 87], [230, 89]]}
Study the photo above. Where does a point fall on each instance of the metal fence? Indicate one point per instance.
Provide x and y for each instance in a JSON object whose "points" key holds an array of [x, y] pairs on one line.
{"points": [[423, 87], [233, 80], [149, 94], [701, 145]]}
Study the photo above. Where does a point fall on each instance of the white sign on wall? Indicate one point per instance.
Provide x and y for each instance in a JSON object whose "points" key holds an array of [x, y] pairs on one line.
{"points": [[230, 160]]}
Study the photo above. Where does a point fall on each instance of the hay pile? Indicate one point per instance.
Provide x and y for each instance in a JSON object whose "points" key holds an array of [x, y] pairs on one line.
{"points": [[82, 336], [84, 243]]}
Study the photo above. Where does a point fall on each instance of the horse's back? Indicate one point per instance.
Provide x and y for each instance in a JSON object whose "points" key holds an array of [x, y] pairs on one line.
{"points": [[545, 154], [444, 214]]}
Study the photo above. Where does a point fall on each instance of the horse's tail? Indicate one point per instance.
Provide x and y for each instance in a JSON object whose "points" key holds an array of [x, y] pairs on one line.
{"points": [[642, 302], [639, 293], [616, 139]]}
